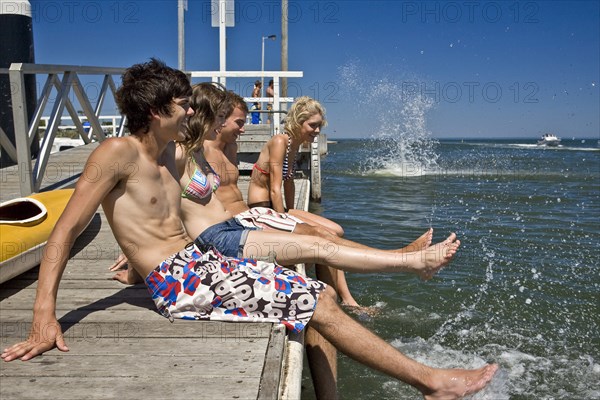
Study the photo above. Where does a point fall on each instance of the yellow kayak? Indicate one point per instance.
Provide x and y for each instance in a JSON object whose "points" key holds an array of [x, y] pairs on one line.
{"points": [[25, 225]]}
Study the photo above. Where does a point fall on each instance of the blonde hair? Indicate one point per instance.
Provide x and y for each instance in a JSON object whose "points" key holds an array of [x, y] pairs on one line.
{"points": [[303, 108]]}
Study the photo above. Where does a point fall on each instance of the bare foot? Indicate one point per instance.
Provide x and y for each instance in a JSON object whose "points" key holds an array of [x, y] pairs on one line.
{"points": [[422, 242], [458, 383], [434, 258], [362, 311], [349, 303]]}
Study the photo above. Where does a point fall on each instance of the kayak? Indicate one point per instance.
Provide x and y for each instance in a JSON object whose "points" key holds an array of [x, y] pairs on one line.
{"points": [[25, 225]]}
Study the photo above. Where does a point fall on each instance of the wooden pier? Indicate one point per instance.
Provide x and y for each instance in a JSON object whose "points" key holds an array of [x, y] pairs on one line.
{"points": [[120, 347]]}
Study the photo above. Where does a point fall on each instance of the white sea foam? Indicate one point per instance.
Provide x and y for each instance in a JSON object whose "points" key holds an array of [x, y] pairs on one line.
{"points": [[519, 374], [436, 355], [406, 147]]}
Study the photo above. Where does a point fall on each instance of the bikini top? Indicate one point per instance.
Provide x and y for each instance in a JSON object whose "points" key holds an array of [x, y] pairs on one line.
{"points": [[199, 186], [287, 172]]}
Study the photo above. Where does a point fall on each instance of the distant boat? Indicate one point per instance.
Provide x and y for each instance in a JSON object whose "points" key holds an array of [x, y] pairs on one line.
{"points": [[549, 139]]}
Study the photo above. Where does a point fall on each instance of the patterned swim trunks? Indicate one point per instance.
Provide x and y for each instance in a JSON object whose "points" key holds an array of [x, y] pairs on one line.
{"points": [[267, 218], [201, 284]]}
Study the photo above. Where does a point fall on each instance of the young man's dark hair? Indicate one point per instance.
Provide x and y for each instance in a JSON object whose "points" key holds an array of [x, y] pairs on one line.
{"points": [[149, 87]]}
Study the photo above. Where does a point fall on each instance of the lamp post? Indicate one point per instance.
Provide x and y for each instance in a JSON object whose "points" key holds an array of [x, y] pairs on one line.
{"points": [[262, 65]]}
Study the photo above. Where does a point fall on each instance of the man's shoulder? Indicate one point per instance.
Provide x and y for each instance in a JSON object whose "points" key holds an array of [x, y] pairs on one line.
{"points": [[120, 144], [125, 148], [214, 153]]}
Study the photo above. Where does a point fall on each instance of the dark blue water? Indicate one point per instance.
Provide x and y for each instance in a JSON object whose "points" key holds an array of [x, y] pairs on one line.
{"points": [[524, 290]]}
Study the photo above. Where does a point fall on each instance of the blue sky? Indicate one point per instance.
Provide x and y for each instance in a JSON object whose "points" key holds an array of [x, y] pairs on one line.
{"points": [[471, 69]]}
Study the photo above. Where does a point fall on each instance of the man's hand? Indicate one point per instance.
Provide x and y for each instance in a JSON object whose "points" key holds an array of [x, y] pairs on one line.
{"points": [[45, 334], [125, 274], [119, 264]]}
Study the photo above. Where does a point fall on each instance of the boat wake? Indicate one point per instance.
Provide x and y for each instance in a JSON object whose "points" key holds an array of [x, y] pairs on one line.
{"points": [[530, 146]]}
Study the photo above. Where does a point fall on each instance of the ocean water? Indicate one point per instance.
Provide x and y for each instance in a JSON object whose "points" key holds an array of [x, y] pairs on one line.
{"points": [[524, 289]]}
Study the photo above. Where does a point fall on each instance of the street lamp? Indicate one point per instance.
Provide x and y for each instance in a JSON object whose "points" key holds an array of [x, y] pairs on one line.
{"points": [[262, 65]]}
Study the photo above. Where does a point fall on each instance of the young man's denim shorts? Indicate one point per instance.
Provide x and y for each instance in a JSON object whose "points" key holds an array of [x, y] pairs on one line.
{"points": [[228, 237]]}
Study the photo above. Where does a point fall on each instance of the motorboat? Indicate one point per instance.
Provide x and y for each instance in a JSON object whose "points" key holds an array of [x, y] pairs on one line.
{"points": [[549, 139]]}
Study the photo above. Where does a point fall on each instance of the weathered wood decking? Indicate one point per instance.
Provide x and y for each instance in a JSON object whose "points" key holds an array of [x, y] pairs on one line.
{"points": [[119, 346]]}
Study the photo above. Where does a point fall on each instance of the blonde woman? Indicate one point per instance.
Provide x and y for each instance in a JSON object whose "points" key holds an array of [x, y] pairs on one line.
{"points": [[276, 163]]}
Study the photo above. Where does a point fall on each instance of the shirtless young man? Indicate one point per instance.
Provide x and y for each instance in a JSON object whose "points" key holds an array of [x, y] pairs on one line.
{"points": [[142, 208]]}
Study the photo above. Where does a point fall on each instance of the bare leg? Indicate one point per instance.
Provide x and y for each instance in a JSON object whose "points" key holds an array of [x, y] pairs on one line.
{"points": [[312, 227], [357, 342], [321, 355], [346, 297], [316, 220], [339, 281], [336, 279], [306, 229], [291, 249], [322, 359]]}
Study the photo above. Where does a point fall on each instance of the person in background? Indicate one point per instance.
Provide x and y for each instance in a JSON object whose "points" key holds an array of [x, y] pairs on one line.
{"points": [[256, 92], [271, 94]]}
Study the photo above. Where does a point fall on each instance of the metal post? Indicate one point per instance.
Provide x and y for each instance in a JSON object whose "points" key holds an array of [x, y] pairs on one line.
{"points": [[284, 47], [222, 40], [262, 68], [181, 7], [276, 106]]}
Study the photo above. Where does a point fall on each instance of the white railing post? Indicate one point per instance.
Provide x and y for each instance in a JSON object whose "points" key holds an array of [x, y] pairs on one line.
{"points": [[315, 169], [51, 129], [19, 105], [276, 106]]}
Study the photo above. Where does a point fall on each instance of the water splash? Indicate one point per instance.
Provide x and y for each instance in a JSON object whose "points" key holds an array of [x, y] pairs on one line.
{"points": [[401, 144]]}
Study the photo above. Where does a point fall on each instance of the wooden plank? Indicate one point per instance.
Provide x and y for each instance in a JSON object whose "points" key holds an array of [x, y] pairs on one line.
{"points": [[170, 383], [118, 328], [271, 373], [208, 351]]}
